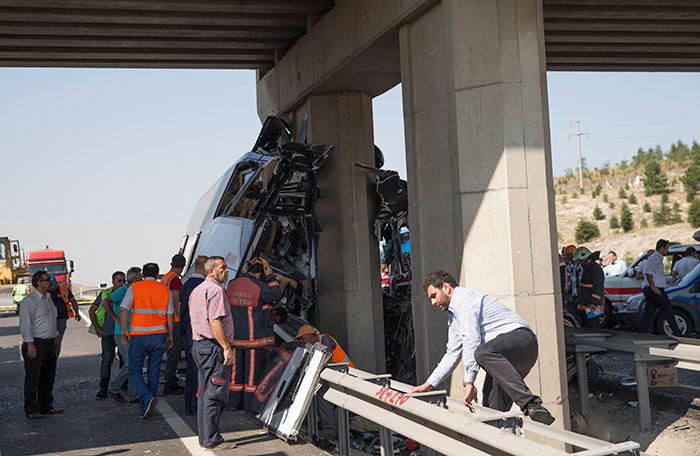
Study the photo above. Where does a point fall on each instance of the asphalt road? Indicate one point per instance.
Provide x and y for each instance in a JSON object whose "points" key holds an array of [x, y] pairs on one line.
{"points": [[91, 426]]}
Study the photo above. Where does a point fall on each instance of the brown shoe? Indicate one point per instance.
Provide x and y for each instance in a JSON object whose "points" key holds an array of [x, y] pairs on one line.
{"points": [[35, 415], [55, 411]]}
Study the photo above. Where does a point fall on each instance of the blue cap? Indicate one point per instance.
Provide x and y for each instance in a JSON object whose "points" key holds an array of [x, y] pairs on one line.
{"points": [[53, 281]]}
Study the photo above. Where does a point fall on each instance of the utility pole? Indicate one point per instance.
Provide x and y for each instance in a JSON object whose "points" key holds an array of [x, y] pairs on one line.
{"points": [[578, 135]]}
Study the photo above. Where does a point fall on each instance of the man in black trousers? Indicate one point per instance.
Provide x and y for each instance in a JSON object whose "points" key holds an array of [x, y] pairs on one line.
{"points": [[37, 321], [654, 284]]}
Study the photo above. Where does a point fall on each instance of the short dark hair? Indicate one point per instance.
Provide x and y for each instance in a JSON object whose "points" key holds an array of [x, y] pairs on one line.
{"points": [[661, 243], [690, 251], [178, 261], [200, 261], [117, 273], [437, 278], [613, 252], [256, 268], [37, 277], [151, 270]]}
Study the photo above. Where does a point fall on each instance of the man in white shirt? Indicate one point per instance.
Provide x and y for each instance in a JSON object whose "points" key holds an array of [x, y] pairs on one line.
{"points": [[639, 275], [684, 265], [654, 290], [37, 325], [614, 267], [483, 332]]}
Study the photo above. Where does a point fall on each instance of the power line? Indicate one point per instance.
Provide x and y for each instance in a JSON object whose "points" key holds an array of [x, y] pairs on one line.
{"points": [[578, 135]]}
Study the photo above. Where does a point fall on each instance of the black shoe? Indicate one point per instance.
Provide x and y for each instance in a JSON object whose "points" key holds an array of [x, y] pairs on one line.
{"points": [[101, 394], [149, 408], [174, 389], [538, 413], [117, 398]]}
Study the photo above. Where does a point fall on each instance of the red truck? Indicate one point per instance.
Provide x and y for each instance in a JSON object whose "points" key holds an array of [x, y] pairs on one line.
{"points": [[52, 261]]}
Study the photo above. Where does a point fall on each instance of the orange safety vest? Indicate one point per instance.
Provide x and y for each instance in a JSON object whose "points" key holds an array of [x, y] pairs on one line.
{"points": [[64, 295], [165, 280], [338, 355], [149, 314]]}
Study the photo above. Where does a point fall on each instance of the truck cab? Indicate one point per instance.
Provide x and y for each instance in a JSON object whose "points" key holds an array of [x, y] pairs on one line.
{"points": [[52, 261]]}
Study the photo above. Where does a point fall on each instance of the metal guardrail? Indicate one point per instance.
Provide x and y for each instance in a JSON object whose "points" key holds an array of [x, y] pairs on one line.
{"points": [[641, 348], [441, 423]]}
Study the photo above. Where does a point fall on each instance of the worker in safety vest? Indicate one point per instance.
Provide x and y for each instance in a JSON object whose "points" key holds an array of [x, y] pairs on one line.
{"points": [[251, 296], [308, 334], [19, 292], [171, 279], [150, 304], [66, 307]]}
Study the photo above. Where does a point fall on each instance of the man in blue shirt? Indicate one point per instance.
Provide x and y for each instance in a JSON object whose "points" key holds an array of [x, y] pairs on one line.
{"points": [[484, 333]]}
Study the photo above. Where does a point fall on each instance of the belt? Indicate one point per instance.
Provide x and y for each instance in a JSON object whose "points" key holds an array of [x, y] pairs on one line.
{"points": [[39, 339]]}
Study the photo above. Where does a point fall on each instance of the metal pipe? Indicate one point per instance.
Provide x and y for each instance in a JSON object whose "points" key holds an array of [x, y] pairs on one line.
{"points": [[643, 396], [386, 441], [343, 432], [474, 431], [582, 376]]}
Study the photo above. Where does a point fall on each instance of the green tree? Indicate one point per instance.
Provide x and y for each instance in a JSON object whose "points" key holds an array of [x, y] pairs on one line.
{"points": [[614, 222], [574, 195], [605, 197], [623, 165], [694, 213], [596, 190], [691, 178], [568, 172], [563, 200], [611, 205], [598, 214], [662, 216], [626, 218], [632, 199], [585, 231], [664, 198], [675, 214], [646, 207], [621, 194], [644, 223], [679, 153], [627, 186], [655, 181]]}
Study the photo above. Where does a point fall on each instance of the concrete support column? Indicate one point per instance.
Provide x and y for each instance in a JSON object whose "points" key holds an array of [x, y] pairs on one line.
{"points": [[479, 172], [350, 297]]}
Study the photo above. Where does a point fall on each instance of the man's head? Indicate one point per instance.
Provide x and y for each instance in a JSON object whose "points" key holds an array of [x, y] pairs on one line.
{"points": [[177, 263], [440, 285], [151, 270], [216, 268], [20, 281], [612, 257], [199, 265], [279, 315], [662, 246], [568, 252], [41, 281], [690, 252], [54, 283], [118, 279], [306, 334], [257, 270], [133, 275]]}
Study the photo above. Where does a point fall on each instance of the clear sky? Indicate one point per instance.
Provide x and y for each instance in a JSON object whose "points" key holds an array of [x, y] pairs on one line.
{"points": [[108, 164]]}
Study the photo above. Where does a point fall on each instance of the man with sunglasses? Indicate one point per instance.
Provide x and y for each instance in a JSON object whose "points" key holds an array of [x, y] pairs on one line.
{"points": [[37, 323]]}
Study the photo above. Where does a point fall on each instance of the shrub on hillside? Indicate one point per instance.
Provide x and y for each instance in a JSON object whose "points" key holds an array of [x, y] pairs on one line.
{"points": [[691, 179], [574, 195], [662, 216], [626, 218], [655, 181], [621, 194], [611, 205], [564, 200], [694, 214], [646, 207], [632, 199], [598, 213], [644, 223], [585, 231], [614, 222], [675, 214], [605, 197]]}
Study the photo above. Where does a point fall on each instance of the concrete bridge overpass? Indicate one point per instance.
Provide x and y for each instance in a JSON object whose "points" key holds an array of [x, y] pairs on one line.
{"points": [[473, 76]]}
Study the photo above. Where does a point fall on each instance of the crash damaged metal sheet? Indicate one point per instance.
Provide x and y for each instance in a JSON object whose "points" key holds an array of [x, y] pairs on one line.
{"points": [[284, 394]]}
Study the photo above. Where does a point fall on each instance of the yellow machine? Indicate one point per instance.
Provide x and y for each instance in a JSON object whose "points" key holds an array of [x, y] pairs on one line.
{"points": [[12, 262]]}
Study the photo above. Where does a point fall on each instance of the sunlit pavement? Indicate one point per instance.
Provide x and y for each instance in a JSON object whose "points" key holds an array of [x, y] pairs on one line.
{"points": [[91, 426]]}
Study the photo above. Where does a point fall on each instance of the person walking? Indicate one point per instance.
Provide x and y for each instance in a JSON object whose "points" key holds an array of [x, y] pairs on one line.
{"points": [[251, 295], [112, 305], [66, 307], [105, 332], [148, 335], [654, 290], [171, 279], [212, 333], [37, 326], [191, 371], [483, 332]]}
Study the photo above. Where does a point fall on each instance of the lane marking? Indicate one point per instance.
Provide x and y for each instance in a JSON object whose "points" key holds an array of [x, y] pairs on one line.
{"points": [[85, 318], [183, 431]]}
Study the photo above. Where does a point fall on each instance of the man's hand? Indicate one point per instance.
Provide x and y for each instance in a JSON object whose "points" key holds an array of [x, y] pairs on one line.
{"points": [[77, 316], [169, 342], [228, 356], [125, 337], [425, 387], [99, 332], [469, 396], [31, 350], [656, 290]]}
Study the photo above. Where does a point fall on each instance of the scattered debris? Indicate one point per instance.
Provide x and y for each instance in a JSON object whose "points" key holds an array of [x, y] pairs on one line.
{"points": [[629, 381], [633, 403], [681, 427]]}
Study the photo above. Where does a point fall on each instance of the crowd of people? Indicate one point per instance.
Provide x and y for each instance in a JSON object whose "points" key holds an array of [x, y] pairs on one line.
{"points": [[225, 328]]}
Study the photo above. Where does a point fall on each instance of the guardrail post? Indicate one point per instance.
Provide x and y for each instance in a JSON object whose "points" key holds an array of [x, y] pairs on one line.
{"points": [[312, 419], [343, 432], [386, 441], [582, 375], [643, 396]]}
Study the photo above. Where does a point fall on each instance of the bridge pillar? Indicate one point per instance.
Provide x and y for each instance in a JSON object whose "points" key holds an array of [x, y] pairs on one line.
{"points": [[350, 297], [479, 173]]}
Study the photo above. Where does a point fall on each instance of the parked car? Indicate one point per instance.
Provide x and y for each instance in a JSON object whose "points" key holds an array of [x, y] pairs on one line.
{"points": [[619, 288], [685, 300]]}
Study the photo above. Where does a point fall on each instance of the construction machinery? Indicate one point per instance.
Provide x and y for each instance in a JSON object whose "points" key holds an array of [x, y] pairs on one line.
{"points": [[12, 263]]}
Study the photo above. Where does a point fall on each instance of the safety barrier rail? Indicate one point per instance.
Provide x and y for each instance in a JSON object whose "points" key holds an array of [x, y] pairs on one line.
{"points": [[641, 348], [442, 423]]}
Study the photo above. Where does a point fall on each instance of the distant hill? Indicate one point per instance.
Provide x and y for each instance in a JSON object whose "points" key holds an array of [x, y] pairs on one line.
{"points": [[573, 205]]}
